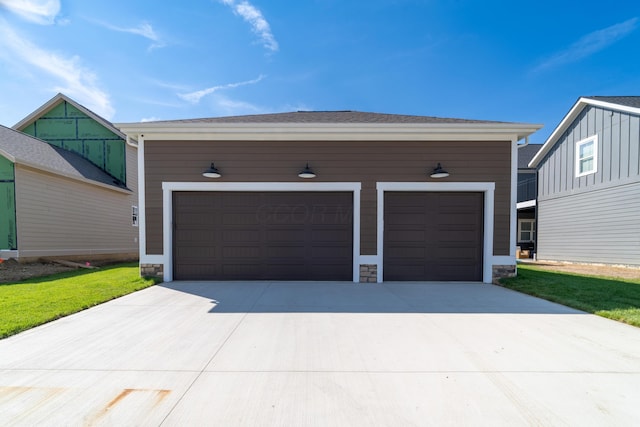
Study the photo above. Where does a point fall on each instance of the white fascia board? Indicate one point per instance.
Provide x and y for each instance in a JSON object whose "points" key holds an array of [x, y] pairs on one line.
{"points": [[557, 132], [611, 106], [7, 156], [339, 131]]}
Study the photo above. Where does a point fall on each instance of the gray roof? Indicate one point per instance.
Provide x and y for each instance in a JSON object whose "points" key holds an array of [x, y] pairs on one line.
{"points": [[27, 150], [526, 153], [330, 117], [627, 101]]}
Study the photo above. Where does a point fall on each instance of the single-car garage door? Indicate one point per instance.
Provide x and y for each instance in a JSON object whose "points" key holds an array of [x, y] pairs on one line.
{"points": [[263, 235], [433, 236]]}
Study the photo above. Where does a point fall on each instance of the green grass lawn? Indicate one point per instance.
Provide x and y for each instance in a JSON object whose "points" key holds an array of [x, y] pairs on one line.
{"points": [[33, 302], [614, 298]]}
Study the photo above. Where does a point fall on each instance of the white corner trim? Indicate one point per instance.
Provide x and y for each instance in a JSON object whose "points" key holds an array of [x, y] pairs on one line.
{"points": [[142, 206], [167, 209], [488, 188]]}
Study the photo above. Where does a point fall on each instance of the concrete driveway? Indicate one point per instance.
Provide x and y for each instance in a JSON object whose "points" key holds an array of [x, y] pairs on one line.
{"points": [[319, 354]]}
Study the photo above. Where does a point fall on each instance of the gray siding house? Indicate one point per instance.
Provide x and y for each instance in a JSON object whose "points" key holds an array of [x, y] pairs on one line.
{"points": [[589, 184]]}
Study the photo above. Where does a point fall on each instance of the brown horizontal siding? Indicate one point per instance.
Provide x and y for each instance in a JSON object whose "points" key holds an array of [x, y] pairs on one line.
{"points": [[367, 162]]}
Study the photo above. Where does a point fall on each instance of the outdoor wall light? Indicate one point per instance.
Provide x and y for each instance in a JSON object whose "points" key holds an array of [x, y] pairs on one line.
{"points": [[438, 172], [306, 173], [212, 172]]}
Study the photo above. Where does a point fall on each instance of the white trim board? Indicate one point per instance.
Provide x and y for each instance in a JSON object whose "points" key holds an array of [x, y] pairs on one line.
{"points": [[488, 188], [526, 204], [167, 209]]}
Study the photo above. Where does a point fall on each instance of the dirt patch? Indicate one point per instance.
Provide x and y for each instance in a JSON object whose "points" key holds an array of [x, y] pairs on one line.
{"points": [[589, 269]]}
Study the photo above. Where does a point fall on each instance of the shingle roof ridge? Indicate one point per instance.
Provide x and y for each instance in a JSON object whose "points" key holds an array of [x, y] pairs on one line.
{"points": [[327, 116]]}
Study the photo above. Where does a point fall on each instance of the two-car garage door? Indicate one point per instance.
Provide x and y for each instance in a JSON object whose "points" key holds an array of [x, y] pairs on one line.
{"points": [[309, 236], [263, 235]]}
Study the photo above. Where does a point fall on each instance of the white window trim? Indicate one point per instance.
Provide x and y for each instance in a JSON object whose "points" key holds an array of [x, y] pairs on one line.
{"points": [[580, 143], [167, 210], [533, 229], [488, 188]]}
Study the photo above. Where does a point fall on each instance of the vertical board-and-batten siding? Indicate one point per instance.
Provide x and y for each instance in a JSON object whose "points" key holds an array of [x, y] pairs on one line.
{"points": [[593, 218], [367, 162], [61, 216], [618, 154]]}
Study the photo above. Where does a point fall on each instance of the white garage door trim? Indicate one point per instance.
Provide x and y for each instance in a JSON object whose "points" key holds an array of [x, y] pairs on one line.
{"points": [[488, 188], [167, 209]]}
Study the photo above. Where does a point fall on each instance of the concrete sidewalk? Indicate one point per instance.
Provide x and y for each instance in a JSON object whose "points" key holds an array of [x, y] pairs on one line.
{"points": [[317, 354]]}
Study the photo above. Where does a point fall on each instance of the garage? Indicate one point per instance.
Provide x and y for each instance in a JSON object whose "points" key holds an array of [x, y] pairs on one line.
{"points": [[433, 236], [245, 235]]}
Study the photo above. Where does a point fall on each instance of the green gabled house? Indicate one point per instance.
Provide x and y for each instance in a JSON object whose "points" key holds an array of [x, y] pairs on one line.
{"points": [[68, 186]]}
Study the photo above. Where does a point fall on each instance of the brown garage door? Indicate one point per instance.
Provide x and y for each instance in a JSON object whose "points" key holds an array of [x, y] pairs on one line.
{"points": [[433, 236], [263, 235]]}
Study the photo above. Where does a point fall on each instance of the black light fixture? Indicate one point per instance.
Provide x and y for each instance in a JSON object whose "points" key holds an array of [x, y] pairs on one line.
{"points": [[212, 172], [438, 172], [306, 173]]}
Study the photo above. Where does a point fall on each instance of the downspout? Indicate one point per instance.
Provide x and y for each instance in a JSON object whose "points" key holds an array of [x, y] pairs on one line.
{"points": [[526, 142], [128, 139]]}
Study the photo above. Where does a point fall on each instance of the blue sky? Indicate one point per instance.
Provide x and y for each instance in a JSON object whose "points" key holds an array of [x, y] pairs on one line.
{"points": [[149, 60]]}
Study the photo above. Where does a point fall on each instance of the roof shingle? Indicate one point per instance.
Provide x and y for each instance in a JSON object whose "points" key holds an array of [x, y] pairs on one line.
{"points": [[627, 101], [330, 117], [526, 153], [26, 149]]}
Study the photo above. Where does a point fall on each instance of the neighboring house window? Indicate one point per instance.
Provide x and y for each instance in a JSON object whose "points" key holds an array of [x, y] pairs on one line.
{"points": [[134, 216], [586, 156], [526, 230]]}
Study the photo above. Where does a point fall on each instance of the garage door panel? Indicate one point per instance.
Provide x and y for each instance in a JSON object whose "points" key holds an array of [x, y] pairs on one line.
{"points": [[263, 235], [330, 235], [441, 238], [241, 236], [277, 235]]}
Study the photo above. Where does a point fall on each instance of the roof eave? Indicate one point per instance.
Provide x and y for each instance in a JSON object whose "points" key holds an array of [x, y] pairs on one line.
{"points": [[315, 131]]}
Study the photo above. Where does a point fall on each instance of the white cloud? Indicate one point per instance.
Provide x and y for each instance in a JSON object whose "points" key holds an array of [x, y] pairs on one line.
{"points": [[144, 29], [194, 97], [149, 119], [253, 16], [229, 107], [72, 78], [590, 44], [39, 11]]}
